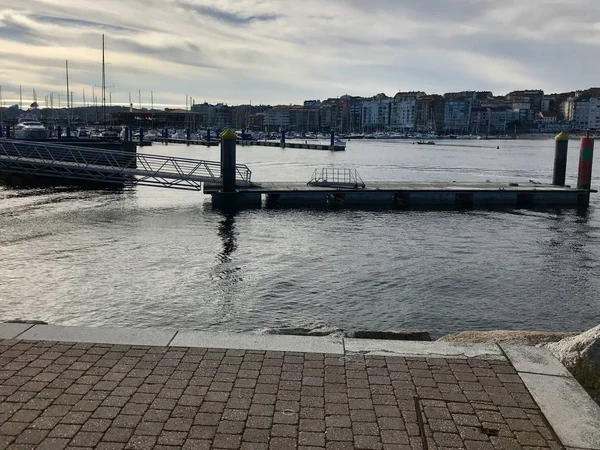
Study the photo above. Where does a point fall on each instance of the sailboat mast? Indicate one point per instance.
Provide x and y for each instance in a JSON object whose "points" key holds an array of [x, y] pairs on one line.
{"points": [[68, 94], [1, 106], [103, 84], [140, 98], [20, 99]]}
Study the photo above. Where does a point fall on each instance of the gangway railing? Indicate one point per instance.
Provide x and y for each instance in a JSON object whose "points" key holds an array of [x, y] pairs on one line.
{"points": [[336, 177], [87, 164]]}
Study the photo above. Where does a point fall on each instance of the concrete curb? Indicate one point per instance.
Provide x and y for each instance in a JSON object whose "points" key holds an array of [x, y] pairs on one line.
{"points": [[569, 410], [572, 414]]}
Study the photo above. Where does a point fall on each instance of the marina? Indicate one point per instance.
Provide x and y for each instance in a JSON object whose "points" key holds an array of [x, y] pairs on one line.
{"points": [[69, 255]]}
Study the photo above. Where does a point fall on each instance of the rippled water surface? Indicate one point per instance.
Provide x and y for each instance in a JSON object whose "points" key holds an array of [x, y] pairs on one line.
{"points": [[149, 257]]}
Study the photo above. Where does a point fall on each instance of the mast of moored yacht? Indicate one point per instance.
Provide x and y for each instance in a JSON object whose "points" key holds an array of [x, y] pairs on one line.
{"points": [[103, 84], [68, 95]]}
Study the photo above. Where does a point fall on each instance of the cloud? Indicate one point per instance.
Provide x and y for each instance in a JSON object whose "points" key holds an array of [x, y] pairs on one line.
{"points": [[228, 17], [283, 51], [79, 23]]}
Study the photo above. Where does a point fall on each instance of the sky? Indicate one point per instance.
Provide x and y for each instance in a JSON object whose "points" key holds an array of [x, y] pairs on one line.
{"points": [[286, 51]]}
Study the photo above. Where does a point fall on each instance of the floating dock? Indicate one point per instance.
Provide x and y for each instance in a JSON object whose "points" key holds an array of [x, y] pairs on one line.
{"points": [[203, 142], [404, 195], [248, 143], [311, 146]]}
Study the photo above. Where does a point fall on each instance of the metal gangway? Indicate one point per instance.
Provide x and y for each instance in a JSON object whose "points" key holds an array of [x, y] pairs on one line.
{"points": [[107, 166]]}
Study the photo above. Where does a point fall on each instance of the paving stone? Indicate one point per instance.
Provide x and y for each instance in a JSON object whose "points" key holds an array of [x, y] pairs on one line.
{"points": [[144, 397], [53, 444]]}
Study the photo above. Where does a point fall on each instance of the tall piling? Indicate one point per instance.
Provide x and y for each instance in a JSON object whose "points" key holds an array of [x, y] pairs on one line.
{"points": [[141, 135], [228, 160], [1, 131], [208, 137], [560, 159], [283, 138], [584, 174], [7, 131], [68, 132], [332, 138], [59, 132], [187, 135]]}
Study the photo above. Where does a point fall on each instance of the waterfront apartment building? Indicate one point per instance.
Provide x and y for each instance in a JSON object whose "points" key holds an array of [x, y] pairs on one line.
{"points": [[277, 118], [582, 110], [457, 112], [403, 111], [376, 114]]}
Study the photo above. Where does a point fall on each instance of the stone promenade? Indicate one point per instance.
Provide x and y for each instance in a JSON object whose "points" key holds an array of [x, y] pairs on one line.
{"points": [[73, 395]]}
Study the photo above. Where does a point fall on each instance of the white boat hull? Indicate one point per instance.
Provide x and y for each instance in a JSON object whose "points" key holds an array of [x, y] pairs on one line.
{"points": [[31, 133]]}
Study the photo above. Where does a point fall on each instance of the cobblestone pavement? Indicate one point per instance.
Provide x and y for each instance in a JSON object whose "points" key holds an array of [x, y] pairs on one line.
{"points": [[76, 396]]}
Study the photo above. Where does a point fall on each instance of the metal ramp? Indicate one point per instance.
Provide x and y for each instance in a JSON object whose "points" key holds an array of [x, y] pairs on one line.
{"points": [[336, 177], [106, 166]]}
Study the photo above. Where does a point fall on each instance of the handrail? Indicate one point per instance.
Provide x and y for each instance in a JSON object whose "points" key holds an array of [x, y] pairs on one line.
{"points": [[113, 163], [336, 177]]}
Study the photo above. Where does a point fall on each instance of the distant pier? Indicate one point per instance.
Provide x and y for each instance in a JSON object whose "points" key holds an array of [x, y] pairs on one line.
{"points": [[306, 145], [211, 143], [248, 143]]}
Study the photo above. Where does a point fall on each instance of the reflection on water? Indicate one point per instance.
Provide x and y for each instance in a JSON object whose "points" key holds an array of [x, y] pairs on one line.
{"points": [[228, 237]]}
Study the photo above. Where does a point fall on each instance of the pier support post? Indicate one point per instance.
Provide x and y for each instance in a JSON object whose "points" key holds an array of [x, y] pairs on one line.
{"points": [[7, 131], [1, 132], [332, 139], [187, 135], [68, 132], [228, 157], [59, 132], [560, 159], [584, 174], [126, 135], [283, 138], [141, 135], [208, 137]]}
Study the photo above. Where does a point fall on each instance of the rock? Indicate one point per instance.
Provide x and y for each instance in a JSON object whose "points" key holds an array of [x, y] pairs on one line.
{"points": [[29, 322], [393, 335], [571, 350], [507, 336]]}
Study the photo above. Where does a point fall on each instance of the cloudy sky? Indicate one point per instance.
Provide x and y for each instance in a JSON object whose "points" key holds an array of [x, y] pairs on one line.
{"points": [[285, 51]]}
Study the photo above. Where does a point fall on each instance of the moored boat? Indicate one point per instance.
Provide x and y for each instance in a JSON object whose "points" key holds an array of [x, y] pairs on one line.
{"points": [[30, 129]]}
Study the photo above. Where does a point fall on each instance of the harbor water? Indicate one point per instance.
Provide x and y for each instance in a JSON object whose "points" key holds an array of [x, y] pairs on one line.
{"points": [[150, 257]]}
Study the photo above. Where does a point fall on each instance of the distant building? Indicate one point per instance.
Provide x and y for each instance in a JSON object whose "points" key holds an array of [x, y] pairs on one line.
{"points": [[429, 114], [533, 98], [277, 118], [457, 113], [376, 114], [403, 110], [207, 113]]}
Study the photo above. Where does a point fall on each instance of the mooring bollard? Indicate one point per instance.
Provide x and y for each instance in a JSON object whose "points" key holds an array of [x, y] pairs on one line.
{"points": [[283, 138], [560, 159], [126, 134], [208, 137], [68, 132], [332, 138], [586, 158], [228, 157], [59, 132], [141, 135]]}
